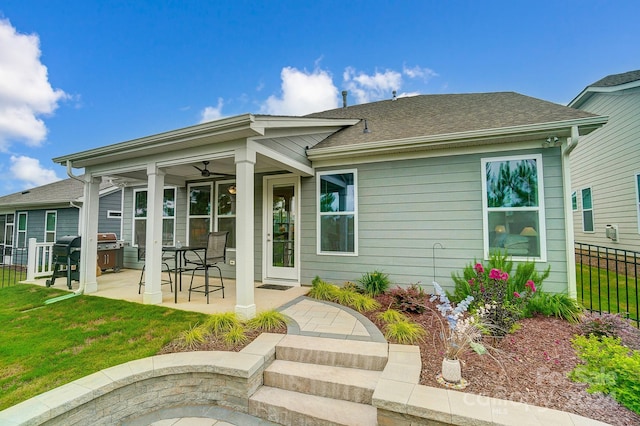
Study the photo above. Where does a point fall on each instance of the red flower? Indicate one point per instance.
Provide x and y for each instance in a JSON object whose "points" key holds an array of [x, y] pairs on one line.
{"points": [[531, 285], [516, 294], [495, 274], [472, 281], [479, 269]]}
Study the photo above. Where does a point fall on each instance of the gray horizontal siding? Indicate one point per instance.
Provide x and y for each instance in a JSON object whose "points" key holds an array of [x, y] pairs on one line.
{"points": [[111, 201], [607, 161], [406, 207]]}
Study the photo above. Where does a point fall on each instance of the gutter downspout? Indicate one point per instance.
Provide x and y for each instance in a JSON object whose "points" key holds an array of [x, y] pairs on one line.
{"points": [[567, 148]]}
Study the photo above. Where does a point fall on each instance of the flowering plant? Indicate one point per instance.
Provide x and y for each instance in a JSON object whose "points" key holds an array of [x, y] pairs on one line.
{"points": [[499, 303], [460, 333]]}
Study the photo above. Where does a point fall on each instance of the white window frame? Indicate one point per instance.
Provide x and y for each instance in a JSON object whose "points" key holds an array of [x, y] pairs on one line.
{"points": [[574, 201], [172, 218], [21, 231], [542, 233], [354, 212], [55, 224], [217, 216], [212, 205], [582, 210], [637, 185]]}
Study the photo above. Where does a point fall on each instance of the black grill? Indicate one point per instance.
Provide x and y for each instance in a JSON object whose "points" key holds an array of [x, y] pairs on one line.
{"points": [[66, 259]]}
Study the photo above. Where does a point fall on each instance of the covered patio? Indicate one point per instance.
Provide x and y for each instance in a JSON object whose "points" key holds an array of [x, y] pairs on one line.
{"points": [[123, 285], [240, 174]]}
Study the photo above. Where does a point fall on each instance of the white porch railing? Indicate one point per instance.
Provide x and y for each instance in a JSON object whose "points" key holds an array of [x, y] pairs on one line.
{"points": [[40, 260]]}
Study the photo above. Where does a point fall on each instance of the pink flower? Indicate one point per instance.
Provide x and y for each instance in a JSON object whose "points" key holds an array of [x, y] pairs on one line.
{"points": [[504, 276], [472, 281], [495, 274], [516, 294], [479, 269], [531, 286]]}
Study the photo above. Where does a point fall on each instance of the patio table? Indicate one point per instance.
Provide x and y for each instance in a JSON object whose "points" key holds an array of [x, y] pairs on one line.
{"points": [[180, 263]]}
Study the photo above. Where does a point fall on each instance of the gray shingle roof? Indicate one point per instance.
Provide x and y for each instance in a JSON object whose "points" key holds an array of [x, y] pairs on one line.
{"points": [[56, 193], [431, 115], [618, 79]]}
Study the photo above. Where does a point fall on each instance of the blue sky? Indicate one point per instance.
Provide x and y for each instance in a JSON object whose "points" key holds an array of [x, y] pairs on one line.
{"points": [[76, 75]]}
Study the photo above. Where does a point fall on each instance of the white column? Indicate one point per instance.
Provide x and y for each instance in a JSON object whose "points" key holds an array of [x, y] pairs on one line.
{"points": [[153, 258], [89, 243], [245, 162]]}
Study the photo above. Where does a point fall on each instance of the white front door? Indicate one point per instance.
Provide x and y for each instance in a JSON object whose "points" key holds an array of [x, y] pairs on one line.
{"points": [[281, 222]]}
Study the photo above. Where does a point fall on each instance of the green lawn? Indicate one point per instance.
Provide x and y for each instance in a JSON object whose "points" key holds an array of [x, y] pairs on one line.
{"points": [[45, 346], [620, 296]]}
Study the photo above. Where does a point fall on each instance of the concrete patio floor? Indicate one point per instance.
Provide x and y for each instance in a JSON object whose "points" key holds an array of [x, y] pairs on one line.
{"points": [[123, 285]]}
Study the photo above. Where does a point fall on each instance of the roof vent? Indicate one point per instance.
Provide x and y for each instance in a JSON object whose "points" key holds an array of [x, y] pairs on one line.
{"points": [[25, 192], [344, 99], [366, 127], [394, 97]]}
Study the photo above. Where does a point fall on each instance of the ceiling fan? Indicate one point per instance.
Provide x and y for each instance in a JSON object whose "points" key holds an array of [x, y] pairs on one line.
{"points": [[204, 172]]}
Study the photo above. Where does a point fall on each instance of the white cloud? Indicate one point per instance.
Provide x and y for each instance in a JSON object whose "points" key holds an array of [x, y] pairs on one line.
{"points": [[30, 171], [418, 72], [212, 113], [303, 93], [25, 91], [368, 88]]}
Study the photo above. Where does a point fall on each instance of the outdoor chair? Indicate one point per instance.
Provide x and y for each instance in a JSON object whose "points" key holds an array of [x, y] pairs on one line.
{"points": [[142, 255], [213, 256]]}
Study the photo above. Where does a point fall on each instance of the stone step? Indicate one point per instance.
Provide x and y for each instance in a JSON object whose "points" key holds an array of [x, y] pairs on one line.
{"points": [[294, 408], [349, 384], [334, 352]]}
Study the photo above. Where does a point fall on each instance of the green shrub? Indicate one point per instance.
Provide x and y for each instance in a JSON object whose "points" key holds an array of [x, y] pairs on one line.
{"points": [[404, 332], [558, 305], [374, 283], [391, 315], [268, 320], [410, 299], [220, 323], [609, 368], [192, 337], [346, 296], [323, 290], [364, 303], [235, 336]]}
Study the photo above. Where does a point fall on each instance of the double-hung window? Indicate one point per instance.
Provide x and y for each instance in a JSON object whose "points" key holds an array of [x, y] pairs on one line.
{"points": [[226, 210], [337, 226], [587, 210], [51, 218], [201, 200], [513, 205], [199, 220], [168, 215], [22, 230], [574, 201]]}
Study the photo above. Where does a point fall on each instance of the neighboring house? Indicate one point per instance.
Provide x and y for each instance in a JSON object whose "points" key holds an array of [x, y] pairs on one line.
{"points": [[605, 167], [417, 187], [51, 211]]}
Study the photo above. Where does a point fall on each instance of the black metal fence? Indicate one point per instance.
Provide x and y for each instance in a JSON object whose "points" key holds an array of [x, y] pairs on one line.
{"points": [[607, 280], [13, 265]]}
